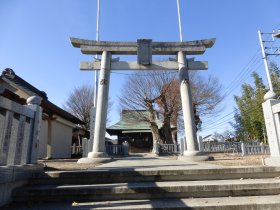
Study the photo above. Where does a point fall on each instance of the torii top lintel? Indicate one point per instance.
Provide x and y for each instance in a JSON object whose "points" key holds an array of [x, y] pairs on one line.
{"points": [[92, 47]]}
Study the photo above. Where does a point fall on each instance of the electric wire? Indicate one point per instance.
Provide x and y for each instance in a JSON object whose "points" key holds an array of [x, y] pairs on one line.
{"points": [[215, 121], [222, 123]]}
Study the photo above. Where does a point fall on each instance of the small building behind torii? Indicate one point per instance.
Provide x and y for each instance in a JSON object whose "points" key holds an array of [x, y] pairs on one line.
{"points": [[134, 128]]}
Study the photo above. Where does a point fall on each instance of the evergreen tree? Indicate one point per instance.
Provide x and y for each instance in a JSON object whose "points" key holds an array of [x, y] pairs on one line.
{"points": [[275, 77], [249, 121]]}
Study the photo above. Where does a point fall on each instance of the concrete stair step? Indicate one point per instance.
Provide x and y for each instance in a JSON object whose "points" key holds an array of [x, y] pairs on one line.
{"points": [[129, 175], [149, 190], [271, 202]]}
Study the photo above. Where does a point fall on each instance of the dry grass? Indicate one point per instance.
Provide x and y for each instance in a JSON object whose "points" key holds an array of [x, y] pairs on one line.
{"points": [[234, 159], [65, 165], [225, 159]]}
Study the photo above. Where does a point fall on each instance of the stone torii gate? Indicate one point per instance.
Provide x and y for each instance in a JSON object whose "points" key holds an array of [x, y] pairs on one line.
{"points": [[144, 49]]}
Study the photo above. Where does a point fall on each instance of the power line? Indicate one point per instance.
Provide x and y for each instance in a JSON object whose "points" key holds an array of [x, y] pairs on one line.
{"points": [[248, 68], [215, 121], [223, 122]]}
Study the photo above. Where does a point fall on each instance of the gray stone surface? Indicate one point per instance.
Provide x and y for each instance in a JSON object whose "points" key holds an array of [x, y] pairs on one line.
{"points": [[272, 161], [37, 121], [130, 48], [94, 160], [220, 203], [187, 106], [5, 136], [13, 177], [15, 107], [272, 126], [271, 109], [232, 181], [13, 139], [156, 65], [98, 153]]}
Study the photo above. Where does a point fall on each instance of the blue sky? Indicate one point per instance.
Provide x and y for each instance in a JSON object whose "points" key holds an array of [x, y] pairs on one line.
{"points": [[34, 39]]}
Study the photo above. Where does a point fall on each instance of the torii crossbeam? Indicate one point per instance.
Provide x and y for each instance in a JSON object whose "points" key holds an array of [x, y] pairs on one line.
{"points": [[144, 49]]}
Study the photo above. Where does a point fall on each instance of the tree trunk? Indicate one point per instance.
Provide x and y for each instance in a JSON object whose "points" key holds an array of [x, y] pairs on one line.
{"points": [[153, 124], [166, 126], [166, 131]]}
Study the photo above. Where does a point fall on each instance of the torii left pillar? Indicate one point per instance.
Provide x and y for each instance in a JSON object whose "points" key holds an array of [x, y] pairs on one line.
{"points": [[98, 155]]}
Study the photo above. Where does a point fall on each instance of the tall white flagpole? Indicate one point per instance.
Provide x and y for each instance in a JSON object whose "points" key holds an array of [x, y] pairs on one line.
{"points": [[179, 20], [95, 90], [97, 39]]}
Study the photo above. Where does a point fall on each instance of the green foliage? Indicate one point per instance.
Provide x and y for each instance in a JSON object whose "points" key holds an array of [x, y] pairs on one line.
{"points": [[275, 77], [249, 122]]}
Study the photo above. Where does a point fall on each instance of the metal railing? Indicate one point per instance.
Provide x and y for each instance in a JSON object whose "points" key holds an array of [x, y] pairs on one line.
{"points": [[168, 149], [77, 149], [111, 149], [245, 148], [222, 147], [117, 149], [255, 149]]}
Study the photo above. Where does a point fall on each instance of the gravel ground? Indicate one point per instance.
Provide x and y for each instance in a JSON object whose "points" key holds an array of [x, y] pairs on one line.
{"points": [[226, 159]]}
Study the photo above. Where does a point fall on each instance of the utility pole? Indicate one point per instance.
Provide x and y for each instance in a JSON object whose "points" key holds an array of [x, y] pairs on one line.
{"points": [[265, 54], [265, 62]]}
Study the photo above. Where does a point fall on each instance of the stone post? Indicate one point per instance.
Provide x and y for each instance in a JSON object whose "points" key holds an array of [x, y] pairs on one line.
{"points": [[200, 143], [125, 148], [98, 153], [33, 103], [85, 145], [182, 146], [243, 149], [271, 110]]}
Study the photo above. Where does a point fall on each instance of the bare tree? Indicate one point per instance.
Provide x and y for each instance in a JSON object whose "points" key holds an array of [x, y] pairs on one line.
{"points": [[80, 102], [160, 91]]}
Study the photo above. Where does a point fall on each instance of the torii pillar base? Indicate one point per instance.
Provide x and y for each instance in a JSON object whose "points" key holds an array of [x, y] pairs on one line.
{"points": [[195, 156], [95, 157]]}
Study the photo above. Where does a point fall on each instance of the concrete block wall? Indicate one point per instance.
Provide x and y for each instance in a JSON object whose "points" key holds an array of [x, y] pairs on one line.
{"points": [[13, 177]]}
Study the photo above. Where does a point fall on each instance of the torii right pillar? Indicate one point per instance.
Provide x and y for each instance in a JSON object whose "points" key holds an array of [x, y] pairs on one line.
{"points": [[191, 150]]}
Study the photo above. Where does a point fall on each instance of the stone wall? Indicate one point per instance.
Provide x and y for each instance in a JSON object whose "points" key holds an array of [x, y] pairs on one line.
{"points": [[19, 144]]}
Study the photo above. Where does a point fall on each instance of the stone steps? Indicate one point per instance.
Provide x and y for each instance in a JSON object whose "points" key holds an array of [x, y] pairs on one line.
{"points": [[197, 188], [271, 202], [149, 190], [220, 203], [122, 176]]}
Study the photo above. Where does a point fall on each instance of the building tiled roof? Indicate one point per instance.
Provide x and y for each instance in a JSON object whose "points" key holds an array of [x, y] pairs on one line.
{"points": [[9, 76]]}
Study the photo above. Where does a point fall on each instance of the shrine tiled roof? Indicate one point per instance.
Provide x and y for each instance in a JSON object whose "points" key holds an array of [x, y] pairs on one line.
{"points": [[133, 121]]}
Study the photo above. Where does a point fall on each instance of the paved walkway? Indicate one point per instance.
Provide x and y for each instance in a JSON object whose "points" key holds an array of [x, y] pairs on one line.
{"points": [[149, 161]]}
